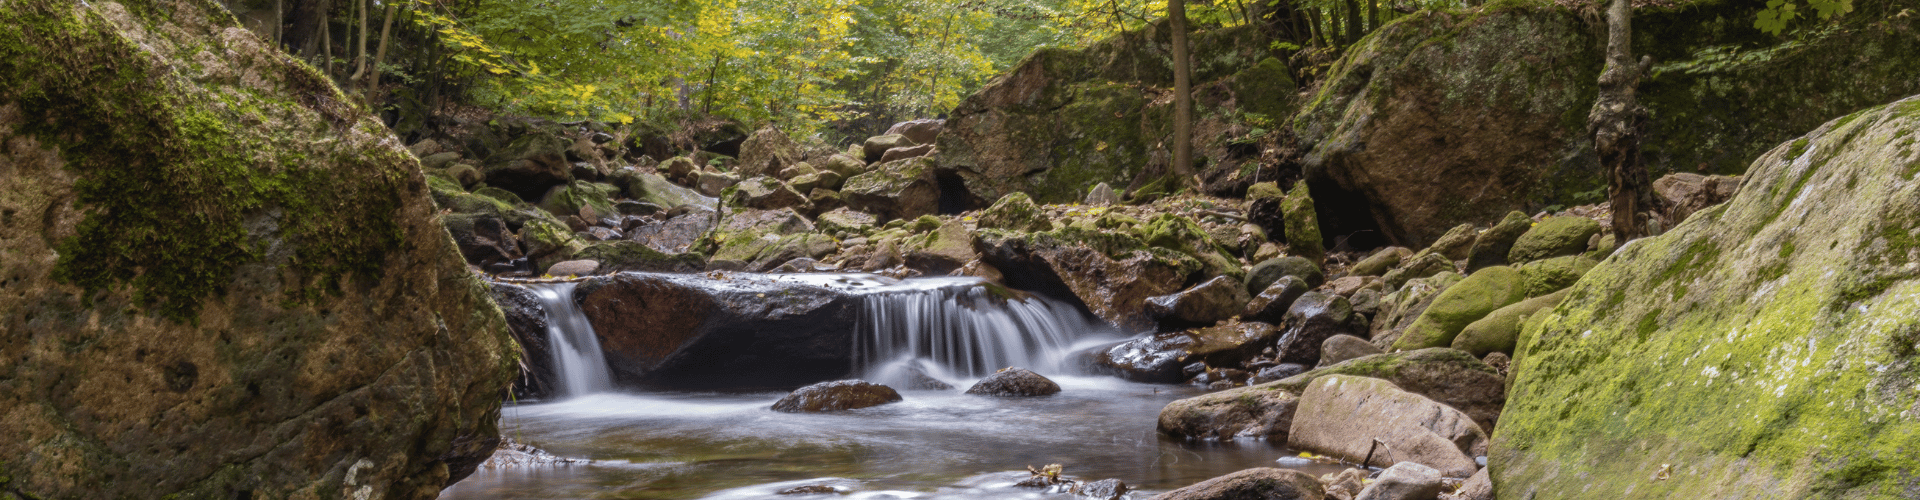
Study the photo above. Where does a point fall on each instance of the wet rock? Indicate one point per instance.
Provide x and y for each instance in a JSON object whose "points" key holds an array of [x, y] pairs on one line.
{"points": [[482, 239], [1262, 483], [902, 153], [1272, 304], [1404, 481], [513, 455], [1399, 309], [759, 252], [1105, 489], [1303, 225], [1345, 484], [1342, 416], [877, 146], [1452, 377], [838, 395], [1481, 293], [1014, 382], [766, 193], [1266, 272], [1217, 299], [1155, 359], [1251, 412], [919, 380], [573, 268], [622, 256], [527, 322], [1102, 195], [781, 222], [1231, 344], [1276, 372], [1112, 275], [1553, 237], [1478, 487], [1311, 320], [902, 189], [1500, 329], [1493, 245], [766, 152], [1015, 212], [697, 332], [1339, 348], [810, 489], [1685, 193], [921, 131], [1380, 262]]}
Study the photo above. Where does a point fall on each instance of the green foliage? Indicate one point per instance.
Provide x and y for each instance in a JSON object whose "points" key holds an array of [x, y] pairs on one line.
{"points": [[1781, 13]]}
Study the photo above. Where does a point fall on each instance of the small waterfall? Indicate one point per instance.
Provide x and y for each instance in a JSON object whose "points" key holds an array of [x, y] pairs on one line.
{"points": [[960, 328], [577, 359]]}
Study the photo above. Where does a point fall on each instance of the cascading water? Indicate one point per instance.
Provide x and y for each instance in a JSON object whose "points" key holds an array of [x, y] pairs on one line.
{"points": [[962, 328], [577, 359]]}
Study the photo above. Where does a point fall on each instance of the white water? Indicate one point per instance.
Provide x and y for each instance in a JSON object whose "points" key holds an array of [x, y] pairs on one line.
{"points": [[577, 359], [957, 329]]}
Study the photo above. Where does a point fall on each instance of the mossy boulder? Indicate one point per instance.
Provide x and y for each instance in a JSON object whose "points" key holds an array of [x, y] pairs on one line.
{"points": [[1449, 376], [1266, 272], [1181, 234], [1303, 224], [569, 199], [845, 221], [620, 256], [1492, 246], [1380, 262], [1741, 354], [1553, 237], [1422, 266], [1110, 272], [766, 193], [1547, 276], [222, 277], [766, 152], [1398, 310], [652, 188], [1501, 328], [1481, 293], [900, 190], [1015, 212]]}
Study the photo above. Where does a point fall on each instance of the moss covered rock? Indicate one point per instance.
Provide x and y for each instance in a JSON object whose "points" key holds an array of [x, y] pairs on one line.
{"points": [[1501, 328], [569, 199], [1492, 246], [1303, 224], [1015, 212], [900, 190], [1741, 354], [1380, 262], [1481, 293], [1450, 376], [222, 278], [1553, 237], [1266, 272], [1555, 274], [1111, 273], [1400, 309]]}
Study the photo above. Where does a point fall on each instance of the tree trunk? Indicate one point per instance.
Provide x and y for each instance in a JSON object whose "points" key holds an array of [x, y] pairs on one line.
{"points": [[326, 50], [1616, 122], [309, 24], [1354, 24], [1182, 93], [1316, 33], [386, 38], [360, 50], [1373, 15]]}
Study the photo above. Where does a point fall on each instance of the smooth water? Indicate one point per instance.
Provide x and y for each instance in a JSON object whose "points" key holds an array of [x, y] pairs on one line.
{"points": [[581, 365], [934, 445]]}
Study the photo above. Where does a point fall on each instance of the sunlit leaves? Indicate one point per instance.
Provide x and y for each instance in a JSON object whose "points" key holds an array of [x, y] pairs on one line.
{"points": [[1781, 13]]}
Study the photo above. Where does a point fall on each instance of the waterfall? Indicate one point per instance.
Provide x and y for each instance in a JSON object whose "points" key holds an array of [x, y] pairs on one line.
{"points": [[580, 365], [962, 328]]}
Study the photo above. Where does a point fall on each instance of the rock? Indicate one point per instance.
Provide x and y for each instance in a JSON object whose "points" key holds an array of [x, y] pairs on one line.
{"points": [[1422, 266], [680, 169], [1478, 487], [1499, 361], [766, 193], [1217, 299], [1456, 244], [919, 131], [1310, 322], [1157, 358], [838, 395], [1481, 293], [1346, 286], [1303, 225], [1015, 212], [805, 183], [1452, 377], [714, 183], [1344, 484], [530, 165], [1111, 274], [1231, 344], [846, 220], [222, 278], [438, 161], [635, 210], [1014, 382], [766, 152], [1685, 193], [947, 247], [1499, 331], [483, 239], [694, 332], [877, 146], [1399, 309], [589, 200], [1251, 412], [1276, 372], [844, 165], [1105, 489], [1342, 416], [1366, 302], [1492, 246], [675, 236], [573, 268], [1404, 481], [527, 322], [902, 153], [823, 200], [1380, 262], [1265, 273], [796, 170], [623, 256], [1553, 237], [900, 190], [810, 489], [1181, 234], [761, 252], [1542, 277], [1272, 304], [652, 188], [780, 222], [1102, 195], [1339, 348], [1779, 298], [1262, 483]]}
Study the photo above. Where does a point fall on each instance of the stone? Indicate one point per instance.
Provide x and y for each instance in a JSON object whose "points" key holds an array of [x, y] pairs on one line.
{"points": [[1156, 358], [1339, 348], [222, 277], [1015, 212], [483, 239], [1014, 382], [1272, 304], [1112, 274], [1404, 481], [652, 188], [844, 165], [903, 189], [624, 256], [573, 268], [1380, 262], [1740, 339], [1105, 489], [1553, 237], [921, 131], [1244, 412], [530, 165], [680, 169], [846, 220], [1371, 421], [1346, 286], [1276, 373], [1303, 225], [902, 153], [1481, 293], [695, 332], [1493, 245], [804, 183], [1499, 331], [1310, 322], [1101, 195], [766, 193], [1214, 300], [1455, 244], [438, 161], [766, 152], [1266, 272], [1262, 483], [1546, 276], [877, 146], [796, 170], [1422, 266], [1684, 193], [675, 236], [1400, 309], [838, 395], [588, 200], [1451, 377], [1366, 302], [1345, 484], [712, 184], [1478, 487], [527, 323]]}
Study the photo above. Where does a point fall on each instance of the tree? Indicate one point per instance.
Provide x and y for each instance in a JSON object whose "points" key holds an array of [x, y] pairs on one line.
{"points": [[1616, 122], [1182, 92]]}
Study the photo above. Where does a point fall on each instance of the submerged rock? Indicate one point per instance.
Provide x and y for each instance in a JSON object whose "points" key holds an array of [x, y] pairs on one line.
{"points": [[839, 395], [1105, 489], [1014, 382], [1371, 421], [1261, 483]]}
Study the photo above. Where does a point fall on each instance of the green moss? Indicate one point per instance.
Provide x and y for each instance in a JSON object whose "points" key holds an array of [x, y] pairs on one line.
{"points": [[172, 186]]}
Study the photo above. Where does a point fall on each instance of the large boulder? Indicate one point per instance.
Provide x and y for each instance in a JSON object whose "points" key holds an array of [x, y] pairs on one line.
{"points": [[1500, 330], [1454, 378], [1493, 246], [1310, 322], [1248, 412], [1339, 348], [1160, 357], [919, 131], [877, 146], [903, 189], [1747, 353], [527, 322], [692, 331], [1481, 293], [1109, 273], [531, 164], [1263, 483], [765, 193], [766, 152], [1553, 237], [676, 235], [1303, 224], [838, 395], [652, 188], [222, 279], [1217, 299], [1015, 212], [1369, 420]]}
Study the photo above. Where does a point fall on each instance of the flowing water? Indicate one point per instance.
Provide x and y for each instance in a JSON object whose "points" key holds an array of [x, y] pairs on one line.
{"points": [[581, 365], [937, 444]]}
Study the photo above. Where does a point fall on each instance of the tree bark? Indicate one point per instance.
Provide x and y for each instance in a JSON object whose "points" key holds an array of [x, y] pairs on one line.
{"points": [[1354, 24], [1373, 15], [1616, 122], [386, 38], [1316, 32], [360, 50], [309, 24], [1182, 93]]}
